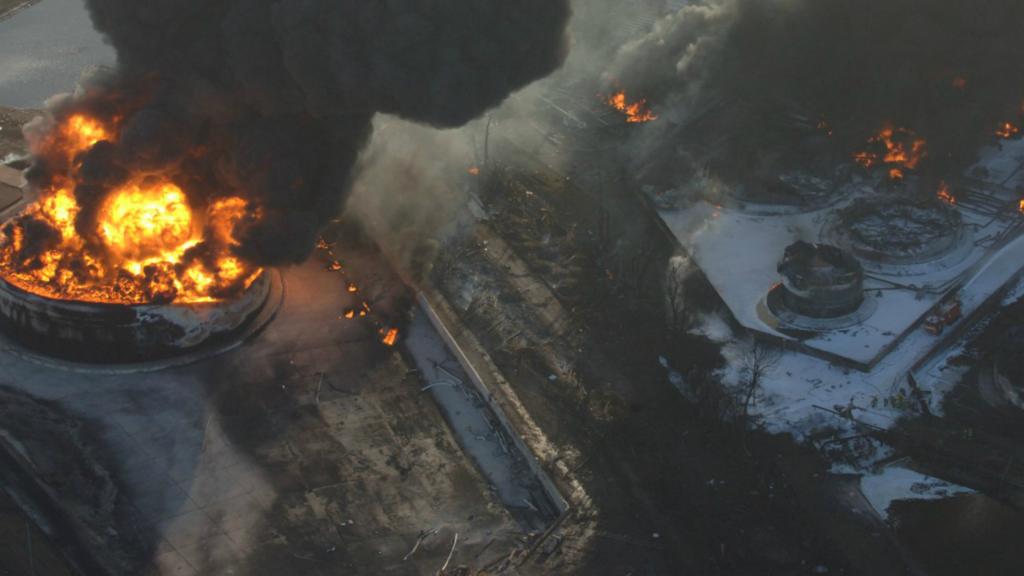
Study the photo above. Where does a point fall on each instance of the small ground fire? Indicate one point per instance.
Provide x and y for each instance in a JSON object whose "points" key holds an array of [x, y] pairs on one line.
{"points": [[146, 244], [897, 148], [1007, 130], [636, 112]]}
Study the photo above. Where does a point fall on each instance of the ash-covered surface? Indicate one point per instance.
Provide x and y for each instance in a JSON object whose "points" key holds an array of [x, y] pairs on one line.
{"points": [[49, 454], [656, 483], [309, 450]]}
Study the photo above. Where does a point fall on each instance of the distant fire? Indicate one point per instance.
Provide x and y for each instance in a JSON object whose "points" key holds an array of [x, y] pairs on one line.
{"points": [[1020, 207], [146, 243], [636, 112], [945, 195], [898, 148], [388, 335], [473, 171], [1007, 130]]}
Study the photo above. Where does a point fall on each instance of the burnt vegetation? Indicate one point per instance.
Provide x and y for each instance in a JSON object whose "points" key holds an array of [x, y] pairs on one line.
{"points": [[572, 299]]}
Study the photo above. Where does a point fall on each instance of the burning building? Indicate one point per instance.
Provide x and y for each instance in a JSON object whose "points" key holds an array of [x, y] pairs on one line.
{"points": [[820, 281]]}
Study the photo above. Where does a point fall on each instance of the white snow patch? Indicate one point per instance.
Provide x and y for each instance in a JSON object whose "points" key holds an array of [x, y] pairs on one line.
{"points": [[894, 483], [713, 327]]}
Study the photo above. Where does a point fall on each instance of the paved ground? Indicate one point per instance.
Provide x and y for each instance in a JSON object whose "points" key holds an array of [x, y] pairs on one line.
{"points": [[309, 450]]}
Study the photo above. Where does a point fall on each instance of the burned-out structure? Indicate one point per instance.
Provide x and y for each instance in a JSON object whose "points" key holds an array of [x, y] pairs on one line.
{"points": [[898, 228], [820, 281]]}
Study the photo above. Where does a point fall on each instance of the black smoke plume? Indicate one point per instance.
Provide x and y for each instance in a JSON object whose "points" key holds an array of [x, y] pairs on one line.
{"points": [[740, 70], [273, 100]]}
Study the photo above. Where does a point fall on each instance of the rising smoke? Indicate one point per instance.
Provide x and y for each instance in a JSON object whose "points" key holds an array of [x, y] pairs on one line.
{"points": [[273, 100], [948, 69]]}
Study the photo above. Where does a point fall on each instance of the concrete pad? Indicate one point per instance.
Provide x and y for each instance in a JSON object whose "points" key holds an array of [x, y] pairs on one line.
{"points": [[171, 564], [164, 503], [218, 484], [212, 556], [188, 530], [233, 462]]}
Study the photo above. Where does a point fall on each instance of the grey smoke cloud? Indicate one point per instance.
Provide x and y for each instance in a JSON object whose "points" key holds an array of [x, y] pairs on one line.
{"points": [[273, 100], [857, 63]]}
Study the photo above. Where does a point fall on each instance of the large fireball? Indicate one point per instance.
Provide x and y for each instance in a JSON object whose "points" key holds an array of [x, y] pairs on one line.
{"points": [[147, 243]]}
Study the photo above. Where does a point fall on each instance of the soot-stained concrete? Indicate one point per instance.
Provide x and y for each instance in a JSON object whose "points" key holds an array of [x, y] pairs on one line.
{"points": [[309, 449]]}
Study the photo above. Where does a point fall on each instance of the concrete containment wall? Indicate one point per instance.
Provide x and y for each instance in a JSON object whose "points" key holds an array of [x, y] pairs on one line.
{"points": [[478, 381]]}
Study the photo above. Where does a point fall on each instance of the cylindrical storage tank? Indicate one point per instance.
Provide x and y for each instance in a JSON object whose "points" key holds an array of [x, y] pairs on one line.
{"points": [[104, 333], [821, 281]]}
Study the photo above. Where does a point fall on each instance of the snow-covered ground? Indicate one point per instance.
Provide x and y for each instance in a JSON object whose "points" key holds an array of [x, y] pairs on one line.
{"points": [[895, 483], [800, 389], [1001, 165], [739, 250], [803, 392]]}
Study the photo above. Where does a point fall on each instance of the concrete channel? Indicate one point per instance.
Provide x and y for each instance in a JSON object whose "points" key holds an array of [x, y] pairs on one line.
{"points": [[479, 424]]}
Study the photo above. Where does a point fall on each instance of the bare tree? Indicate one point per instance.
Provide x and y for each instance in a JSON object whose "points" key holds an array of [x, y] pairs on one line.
{"points": [[675, 294], [759, 360]]}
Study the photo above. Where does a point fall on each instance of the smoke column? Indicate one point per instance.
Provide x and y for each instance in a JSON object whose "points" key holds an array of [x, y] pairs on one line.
{"points": [[951, 70], [273, 100]]}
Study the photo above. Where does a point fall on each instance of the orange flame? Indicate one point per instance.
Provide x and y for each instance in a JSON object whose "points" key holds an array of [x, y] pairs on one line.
{"points": [[898, 148], [81, 133], [473, 171], [945, 195], [1007, 130], [389, 336], [635, 112], [141, 246]]}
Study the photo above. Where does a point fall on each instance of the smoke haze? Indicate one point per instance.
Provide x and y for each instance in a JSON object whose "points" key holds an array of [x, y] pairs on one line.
{"points": [[950, 70]]}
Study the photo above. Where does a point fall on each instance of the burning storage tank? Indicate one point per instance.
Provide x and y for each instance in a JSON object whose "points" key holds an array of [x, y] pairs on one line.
{"points": [[113, 332], [821, 281], [137, 270]]}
